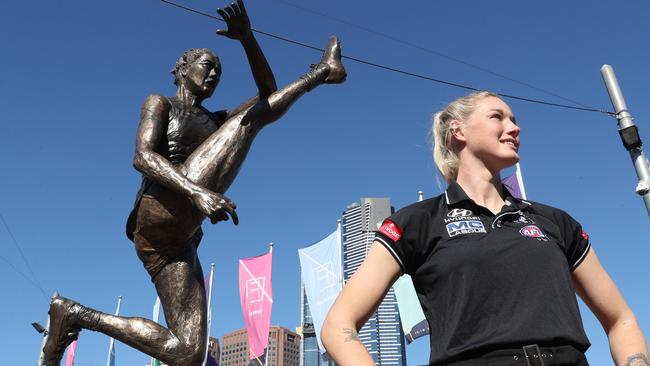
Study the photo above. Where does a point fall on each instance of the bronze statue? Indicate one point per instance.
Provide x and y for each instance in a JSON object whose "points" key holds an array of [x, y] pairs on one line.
{"points": [[188, 157]]}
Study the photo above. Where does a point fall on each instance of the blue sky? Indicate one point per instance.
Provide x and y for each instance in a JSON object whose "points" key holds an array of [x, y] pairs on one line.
{"points": [[76, 73]]}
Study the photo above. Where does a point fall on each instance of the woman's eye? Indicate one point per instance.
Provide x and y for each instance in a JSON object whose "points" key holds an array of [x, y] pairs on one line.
{"points": [[497, 116]]}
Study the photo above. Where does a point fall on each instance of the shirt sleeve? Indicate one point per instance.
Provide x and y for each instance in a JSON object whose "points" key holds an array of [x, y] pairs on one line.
{"points": [[404, 234], [576, 240]]}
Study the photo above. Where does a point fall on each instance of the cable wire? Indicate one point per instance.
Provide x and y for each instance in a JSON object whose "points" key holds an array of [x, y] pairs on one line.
{"points": [[31, 282], [433, 52], [22, 255], [412, 74]]}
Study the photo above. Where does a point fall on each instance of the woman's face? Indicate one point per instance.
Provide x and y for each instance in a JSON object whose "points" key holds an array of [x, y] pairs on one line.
{"points": [[203, 75], [491, 134]]}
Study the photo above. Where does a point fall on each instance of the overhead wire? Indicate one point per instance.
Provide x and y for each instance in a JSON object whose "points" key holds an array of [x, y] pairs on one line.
{"points": [[433, 52], [34, 280], [31, 282], [403, 72]]}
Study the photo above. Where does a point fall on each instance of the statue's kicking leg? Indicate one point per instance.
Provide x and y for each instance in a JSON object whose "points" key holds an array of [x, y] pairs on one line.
{"points": [[215, 163], [182, 294]]}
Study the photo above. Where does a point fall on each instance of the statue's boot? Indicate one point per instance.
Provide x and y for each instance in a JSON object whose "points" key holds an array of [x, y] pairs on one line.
{"points": [[330, 70], [332, 58], [66, 320]]}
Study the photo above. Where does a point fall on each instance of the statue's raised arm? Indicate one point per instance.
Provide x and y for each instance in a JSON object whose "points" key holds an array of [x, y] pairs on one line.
{"points": [[239, 28]]}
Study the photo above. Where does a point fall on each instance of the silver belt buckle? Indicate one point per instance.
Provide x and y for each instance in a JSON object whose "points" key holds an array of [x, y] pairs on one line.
{"points": [[533, 355]]}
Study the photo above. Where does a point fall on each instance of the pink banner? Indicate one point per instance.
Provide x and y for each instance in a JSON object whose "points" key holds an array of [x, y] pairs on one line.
{"points": [[72, 349], [256, 296]]}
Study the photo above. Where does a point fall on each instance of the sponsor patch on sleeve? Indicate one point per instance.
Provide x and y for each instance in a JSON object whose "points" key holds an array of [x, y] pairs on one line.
{"points": [[584, 235], [391, 230]]}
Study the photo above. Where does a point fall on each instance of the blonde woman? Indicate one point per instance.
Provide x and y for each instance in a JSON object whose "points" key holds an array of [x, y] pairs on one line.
{"points": [[496, 276]]}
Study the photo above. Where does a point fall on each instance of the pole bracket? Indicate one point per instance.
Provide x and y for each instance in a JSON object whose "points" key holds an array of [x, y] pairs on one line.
{"points": [[642, 188]]}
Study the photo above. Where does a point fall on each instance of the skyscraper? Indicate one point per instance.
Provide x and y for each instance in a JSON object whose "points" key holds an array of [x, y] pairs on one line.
{"points": [[310, 355], [382, 334]]}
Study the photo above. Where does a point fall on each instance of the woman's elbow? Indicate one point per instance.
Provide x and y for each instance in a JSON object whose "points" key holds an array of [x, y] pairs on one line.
{"points": [[335, 320], [625, 320], [327, 330]]}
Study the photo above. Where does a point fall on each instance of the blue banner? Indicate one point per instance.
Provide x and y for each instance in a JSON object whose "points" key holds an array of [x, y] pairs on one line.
{"points": [[321, 274]]}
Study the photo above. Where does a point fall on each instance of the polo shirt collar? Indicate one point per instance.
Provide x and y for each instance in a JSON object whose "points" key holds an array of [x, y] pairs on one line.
{"points": [[455, 194], [512, 201]]}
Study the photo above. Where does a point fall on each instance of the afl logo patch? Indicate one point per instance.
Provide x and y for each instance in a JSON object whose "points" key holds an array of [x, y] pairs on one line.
{"points": [[532, 231], [391, 230], [584, 235], [459, 212]]}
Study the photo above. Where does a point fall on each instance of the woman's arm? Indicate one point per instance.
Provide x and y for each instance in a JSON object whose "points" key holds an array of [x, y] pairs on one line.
{"points": [[239, 28], [357, 301], [152, 130], [598, 291]]}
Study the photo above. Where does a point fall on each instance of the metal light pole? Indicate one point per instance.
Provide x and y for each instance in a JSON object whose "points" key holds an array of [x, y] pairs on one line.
{"points": [[629, 134], [39, 328]]}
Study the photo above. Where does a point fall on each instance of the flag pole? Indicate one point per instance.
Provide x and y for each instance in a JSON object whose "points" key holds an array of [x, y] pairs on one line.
{"points": [[266, 355], [520, 180], [340, 247], [629, 134], [111, 343], [209, 314], [156, 317]]}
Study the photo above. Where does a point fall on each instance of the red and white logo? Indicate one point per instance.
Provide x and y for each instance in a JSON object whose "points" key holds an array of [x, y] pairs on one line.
{"points": [[584, 235], [532, 231], [391, 230]]}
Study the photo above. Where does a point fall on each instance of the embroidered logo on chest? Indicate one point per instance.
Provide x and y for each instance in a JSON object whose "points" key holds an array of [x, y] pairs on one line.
{"points": [[532, 231], [391, 230], [465, 227], [459, 212]]}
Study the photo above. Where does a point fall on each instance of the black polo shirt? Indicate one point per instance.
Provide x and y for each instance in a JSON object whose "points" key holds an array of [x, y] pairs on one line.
{"points": [[488, 281]]}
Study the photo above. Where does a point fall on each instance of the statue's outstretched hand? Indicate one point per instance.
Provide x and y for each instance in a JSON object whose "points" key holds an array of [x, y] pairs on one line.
{"points": [[215, 206], [239, 26]]}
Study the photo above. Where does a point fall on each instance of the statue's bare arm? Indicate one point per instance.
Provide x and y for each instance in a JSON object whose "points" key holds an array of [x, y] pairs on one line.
{"points": [[239, 28], [153, 127]]}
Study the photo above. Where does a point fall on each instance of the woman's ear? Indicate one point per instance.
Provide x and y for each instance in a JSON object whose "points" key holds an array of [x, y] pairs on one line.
{"points": [[456, 130]]}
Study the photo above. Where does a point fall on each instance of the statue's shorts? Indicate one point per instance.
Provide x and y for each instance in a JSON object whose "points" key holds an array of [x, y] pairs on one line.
{"points": [[167, 229]]}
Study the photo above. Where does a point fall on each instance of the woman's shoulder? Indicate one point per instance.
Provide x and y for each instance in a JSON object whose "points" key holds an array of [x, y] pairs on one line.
{"points": [[430, 207], [558, 215]]}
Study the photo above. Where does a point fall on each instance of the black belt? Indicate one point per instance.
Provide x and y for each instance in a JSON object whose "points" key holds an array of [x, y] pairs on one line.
{"points": [[530, 355]]}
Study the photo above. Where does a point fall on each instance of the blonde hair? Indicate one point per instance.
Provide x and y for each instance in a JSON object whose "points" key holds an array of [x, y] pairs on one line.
{"points": [[445, 150]]}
